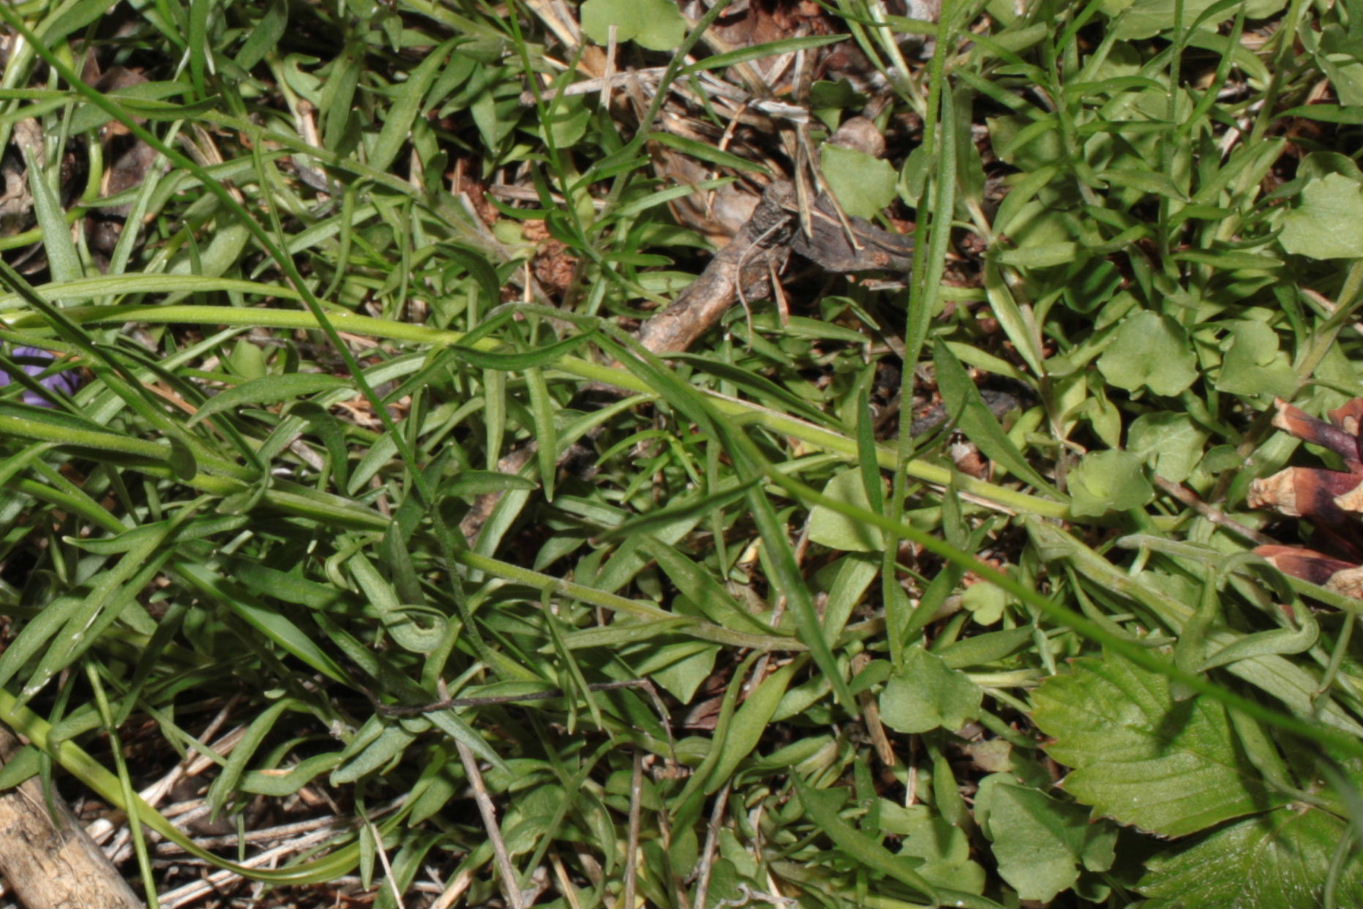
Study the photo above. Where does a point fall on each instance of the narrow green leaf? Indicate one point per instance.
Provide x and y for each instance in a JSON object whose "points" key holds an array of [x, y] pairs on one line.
{"points": [[973, 417], [547, 355], [705, 151], [271, 623], [264, 723], [542, 408], [268, 390], [762, 51], [407, 104], [701, 588], [62, 258], [822, 808], [383, 750]]}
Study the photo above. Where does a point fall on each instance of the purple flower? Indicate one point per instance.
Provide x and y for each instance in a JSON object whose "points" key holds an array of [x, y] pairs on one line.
{"points": [[35, 361]]}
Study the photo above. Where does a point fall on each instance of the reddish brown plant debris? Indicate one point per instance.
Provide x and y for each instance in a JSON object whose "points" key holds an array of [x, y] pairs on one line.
{"points": [[1327, 498]]}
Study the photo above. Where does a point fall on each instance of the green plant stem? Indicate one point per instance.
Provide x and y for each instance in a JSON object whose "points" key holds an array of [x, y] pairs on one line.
{"points": [[775, 421]]}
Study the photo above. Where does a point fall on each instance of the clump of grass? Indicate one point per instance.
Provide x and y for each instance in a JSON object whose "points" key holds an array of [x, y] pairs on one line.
{"points": [[371, 515]]}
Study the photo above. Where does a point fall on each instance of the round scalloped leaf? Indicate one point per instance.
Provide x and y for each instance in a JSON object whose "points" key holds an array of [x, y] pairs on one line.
{"points": [[1108, 481], [1329, 222], [863, 184], [928, 694], [1150, 350], [653, 24]]}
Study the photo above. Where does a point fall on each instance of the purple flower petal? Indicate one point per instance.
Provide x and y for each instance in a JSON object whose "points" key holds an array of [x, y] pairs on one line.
{"points": [[65, 381]]}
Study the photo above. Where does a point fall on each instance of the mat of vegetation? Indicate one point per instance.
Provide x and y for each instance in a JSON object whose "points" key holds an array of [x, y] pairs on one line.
{"points": [[356, 545]]}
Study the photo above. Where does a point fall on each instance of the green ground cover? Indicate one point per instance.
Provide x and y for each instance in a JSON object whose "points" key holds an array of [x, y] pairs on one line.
{"points": [[738, 628]]}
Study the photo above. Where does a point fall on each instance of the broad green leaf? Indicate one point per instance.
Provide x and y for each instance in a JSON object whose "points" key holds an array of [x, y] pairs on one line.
{"points": [[654, 24], [1278, 858], [944, 848], [926, 695], [836, 530], [680, 668], [985, 602], [1253, 365], [1150, 350], [268, 390], [1170, 443], [1127, 739], [1040, 843], [565, 122], [839, 95], [1329, 222], [863, 184], [1147, 18], [1106, 481], [1341, 57]]}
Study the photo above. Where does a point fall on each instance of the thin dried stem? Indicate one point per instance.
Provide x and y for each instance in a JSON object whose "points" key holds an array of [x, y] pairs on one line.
{"points": [[510, 883]]}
